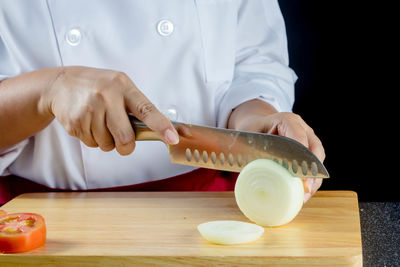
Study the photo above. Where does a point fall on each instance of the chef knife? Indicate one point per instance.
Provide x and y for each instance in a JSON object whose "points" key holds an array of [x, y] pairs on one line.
{"points": [[231, 150]]}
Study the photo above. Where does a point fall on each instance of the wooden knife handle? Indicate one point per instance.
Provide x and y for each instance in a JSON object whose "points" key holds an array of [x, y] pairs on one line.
{"points": [[142, 132]]}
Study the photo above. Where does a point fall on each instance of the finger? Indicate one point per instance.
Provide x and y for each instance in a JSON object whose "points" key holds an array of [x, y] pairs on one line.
{"points": [[316, 185], [118, 124], [315, 144], [294, 130], [307, 197], [100, 132], [309, 183], [286, 125], [316, 147], [311, 186], [80, 127], [145, 111], [87, 136]]}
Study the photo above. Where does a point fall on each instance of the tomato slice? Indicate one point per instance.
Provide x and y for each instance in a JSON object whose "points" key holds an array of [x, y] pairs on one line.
{"points": [[21, 232], [2, 213]]}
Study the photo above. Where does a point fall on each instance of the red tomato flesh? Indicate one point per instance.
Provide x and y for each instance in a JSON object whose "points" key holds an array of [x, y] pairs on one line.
{"points": [[21, 232]]}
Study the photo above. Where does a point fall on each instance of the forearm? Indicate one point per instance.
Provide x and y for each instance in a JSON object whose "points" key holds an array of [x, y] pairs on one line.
{"points": [[240, 114], [22, 113]]}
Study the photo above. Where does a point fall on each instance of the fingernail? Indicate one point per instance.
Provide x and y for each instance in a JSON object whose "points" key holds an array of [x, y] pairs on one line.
{"points": [[171, 137]]}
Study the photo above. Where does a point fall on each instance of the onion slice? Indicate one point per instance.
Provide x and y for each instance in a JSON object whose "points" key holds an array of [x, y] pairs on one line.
{"points": [[268, 194], [230, 232]]}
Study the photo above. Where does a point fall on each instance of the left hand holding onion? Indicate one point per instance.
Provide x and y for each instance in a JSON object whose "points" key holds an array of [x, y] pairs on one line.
{"points": [[259, 116]]}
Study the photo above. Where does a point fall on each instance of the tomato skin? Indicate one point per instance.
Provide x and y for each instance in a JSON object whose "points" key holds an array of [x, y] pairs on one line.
{"points": [[29, 239], [2, 213]]}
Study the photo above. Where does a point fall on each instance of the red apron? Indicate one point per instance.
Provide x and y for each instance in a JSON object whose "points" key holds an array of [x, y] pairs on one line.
{"points": [[197, 180]]}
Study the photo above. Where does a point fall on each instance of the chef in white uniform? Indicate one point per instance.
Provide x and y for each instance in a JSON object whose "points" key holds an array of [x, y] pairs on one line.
{"points": [[70, 70]]}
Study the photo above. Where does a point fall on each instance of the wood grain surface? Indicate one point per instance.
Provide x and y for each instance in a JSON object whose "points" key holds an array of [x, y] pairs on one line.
{"points": [[159, 228]]}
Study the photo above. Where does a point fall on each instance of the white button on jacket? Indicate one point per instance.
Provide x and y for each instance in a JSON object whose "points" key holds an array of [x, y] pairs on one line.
{"points": [[165, 27], [195, 60], [73, 37]]}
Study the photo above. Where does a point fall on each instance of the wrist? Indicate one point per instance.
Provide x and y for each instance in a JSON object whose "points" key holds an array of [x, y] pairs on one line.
{"points": [[50, 77]]}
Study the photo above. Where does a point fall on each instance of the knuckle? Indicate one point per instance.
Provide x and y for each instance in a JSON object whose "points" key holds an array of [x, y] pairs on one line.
{"points": [[126, 149], [70, 130], [294, 116], [88, 109], [320, 153], [107, 147], [297, 116], [144, 109], [75, 122], [119, 77], [318, 142], [323, 155], [99, 96], [90, 143], [290, 116], [122, 137]]}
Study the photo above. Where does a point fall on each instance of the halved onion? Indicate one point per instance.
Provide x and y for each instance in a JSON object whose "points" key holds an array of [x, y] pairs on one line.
{"points": [[268, 194], [230, 232]]}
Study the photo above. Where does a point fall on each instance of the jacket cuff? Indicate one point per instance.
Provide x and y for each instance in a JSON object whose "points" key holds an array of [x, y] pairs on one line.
{"points": [[239, 94]]}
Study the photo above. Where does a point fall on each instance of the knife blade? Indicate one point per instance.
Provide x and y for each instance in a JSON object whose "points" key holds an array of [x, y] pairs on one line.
{"points": [[231, 150]]}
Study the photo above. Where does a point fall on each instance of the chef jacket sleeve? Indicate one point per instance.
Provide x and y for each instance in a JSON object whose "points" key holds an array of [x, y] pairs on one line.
{"points": [[261, 61], [8, 156]]}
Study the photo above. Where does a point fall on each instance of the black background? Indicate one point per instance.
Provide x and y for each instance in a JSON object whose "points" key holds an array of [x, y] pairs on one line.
{"points": [[346, 59]]}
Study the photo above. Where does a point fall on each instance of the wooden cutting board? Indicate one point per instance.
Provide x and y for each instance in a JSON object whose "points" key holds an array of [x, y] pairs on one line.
{"points": [[159, 228]]}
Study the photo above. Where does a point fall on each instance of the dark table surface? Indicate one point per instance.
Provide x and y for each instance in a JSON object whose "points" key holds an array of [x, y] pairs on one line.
{"points": [[380, 231]]}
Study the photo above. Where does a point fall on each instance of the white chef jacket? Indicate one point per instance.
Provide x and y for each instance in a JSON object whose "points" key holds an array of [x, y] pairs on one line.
{"points": [[195, 60]]}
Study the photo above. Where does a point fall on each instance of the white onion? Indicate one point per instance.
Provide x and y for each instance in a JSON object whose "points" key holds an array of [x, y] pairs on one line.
{"points": [[230, 232], [268, 194]]}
